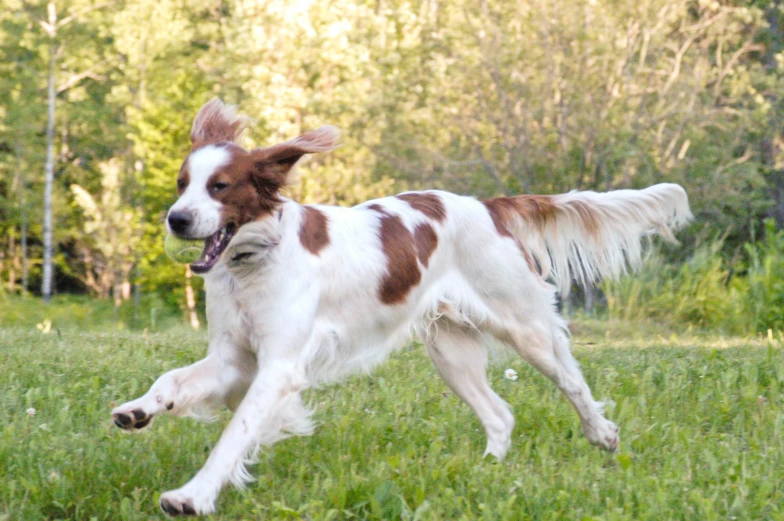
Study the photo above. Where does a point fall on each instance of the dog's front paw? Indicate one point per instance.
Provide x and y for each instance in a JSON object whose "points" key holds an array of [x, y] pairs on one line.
{"points": [[131, 418], [180, 503]]}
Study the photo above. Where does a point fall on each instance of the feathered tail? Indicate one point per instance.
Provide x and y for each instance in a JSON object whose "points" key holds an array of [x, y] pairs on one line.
{"points": [[585, 236]]}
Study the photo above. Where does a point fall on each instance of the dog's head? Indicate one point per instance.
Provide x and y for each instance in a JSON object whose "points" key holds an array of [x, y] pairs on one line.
{"points": [[222, 186]]}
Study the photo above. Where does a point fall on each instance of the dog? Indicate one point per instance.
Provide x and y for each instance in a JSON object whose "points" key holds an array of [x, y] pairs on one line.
{"points": [[302, 295]]}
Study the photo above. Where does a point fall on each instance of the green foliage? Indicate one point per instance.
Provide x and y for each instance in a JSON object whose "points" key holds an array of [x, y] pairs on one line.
{"points": [[765, 279], [479, 97], [398, 444], [698, 292], [743, 296], [69, 313]]}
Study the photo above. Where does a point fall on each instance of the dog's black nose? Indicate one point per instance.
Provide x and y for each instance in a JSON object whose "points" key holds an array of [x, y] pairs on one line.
{"points": [[179, 222]]}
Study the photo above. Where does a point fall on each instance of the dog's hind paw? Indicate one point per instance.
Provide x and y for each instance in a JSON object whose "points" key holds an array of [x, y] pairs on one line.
{"points": [[604, 435]]}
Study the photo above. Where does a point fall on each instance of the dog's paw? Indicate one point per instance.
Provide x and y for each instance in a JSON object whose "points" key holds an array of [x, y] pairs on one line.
{"points": [[604, 435], [130, 419], [178, 503]]}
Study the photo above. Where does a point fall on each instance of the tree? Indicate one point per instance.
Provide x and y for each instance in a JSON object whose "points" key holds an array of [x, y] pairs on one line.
{"points": [[52, 26], [110, 230]]}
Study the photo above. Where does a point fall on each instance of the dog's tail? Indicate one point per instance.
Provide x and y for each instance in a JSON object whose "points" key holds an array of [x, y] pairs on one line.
{"points": [[585, 236]]}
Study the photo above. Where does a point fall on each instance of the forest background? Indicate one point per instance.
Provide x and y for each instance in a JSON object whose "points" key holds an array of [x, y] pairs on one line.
{"points": [[480, 97]]}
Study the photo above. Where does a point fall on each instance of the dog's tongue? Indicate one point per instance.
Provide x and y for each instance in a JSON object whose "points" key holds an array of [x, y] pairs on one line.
{"points": [[213, 247]]}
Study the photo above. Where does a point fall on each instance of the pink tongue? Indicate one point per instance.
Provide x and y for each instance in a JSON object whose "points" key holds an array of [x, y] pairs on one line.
{"points": [[210, 245]]}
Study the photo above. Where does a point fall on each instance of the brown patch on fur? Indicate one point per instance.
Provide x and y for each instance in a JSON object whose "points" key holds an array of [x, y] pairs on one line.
{"points": [[313, 233], [183, 178], [246, 190], [427, 203], [402, 269], [253, 179], [377, 208], [498, 209], [216, 122], [248, 186], [587, 215], [425, 241], [323, 139], [536, 209]]}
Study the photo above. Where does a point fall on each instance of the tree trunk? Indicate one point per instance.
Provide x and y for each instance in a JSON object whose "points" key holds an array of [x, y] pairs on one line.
{"points": [[2, 260], [46, 283], [117, 292], [22, 191], [24, 252], [190, 299], [137, 295], [13, 264]]}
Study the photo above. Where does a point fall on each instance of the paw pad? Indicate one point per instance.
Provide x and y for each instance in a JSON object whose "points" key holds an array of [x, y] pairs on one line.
{"points": [[175, 508], [137, 419]]}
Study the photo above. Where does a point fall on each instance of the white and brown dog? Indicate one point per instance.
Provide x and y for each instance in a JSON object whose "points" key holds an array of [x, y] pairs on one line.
{"points": [[299, 296]]}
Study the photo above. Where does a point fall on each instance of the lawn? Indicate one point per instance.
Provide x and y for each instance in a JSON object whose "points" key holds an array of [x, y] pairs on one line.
{"points": [[701, 420]]}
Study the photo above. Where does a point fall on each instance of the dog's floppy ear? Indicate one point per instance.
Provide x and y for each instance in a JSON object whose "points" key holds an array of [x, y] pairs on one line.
{"points": [[216, 122], [286, 154], [272, 164], [251, 245]]}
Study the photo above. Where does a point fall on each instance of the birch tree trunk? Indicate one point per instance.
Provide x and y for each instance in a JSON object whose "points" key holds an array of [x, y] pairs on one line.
{"points": [[51, 27], [46, 283]]}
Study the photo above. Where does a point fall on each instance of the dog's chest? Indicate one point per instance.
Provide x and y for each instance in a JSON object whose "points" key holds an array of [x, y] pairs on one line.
{"points": [[248, 311]]}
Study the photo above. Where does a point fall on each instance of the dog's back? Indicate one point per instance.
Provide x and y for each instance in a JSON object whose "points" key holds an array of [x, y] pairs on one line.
{"points": [[388, 268]]}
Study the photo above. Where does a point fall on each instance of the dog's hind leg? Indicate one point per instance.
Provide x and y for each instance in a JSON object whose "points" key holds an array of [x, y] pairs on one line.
{"points": [[547, 349], [461, 360]]}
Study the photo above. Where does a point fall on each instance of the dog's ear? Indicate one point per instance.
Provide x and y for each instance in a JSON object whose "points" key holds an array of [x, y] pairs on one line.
{"points": [[284, 155], [216, 122], [251, 245], [272, 164]]}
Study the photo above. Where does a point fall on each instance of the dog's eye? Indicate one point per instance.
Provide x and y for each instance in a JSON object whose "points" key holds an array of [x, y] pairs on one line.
{"points": [[219, 187], [180, 183]]}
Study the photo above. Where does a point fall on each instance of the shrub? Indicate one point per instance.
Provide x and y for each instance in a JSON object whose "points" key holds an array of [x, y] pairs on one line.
{"points": [[740, 296]]}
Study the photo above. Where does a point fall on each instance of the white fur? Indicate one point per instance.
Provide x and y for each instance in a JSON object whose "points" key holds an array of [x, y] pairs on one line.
{"points": [[567, 251], [196, 201], [283, 319]]}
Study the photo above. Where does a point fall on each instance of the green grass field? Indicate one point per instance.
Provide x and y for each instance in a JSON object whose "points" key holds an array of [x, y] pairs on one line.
{"points": [[701, 420]]}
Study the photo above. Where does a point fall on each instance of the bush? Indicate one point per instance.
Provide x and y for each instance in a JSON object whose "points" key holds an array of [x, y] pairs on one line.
{"points": [[736, 297], [765, 279]]}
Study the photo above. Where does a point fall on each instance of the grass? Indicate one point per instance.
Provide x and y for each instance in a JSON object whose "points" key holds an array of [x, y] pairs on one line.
{"points": [[76, 313], [701, 419]]}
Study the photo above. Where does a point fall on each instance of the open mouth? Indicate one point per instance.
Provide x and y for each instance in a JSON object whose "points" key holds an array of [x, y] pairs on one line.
{"points": [[213, 247]]}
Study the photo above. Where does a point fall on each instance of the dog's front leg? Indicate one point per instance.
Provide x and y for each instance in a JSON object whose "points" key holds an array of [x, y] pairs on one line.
{"points": [[271, 410], [193, 390]]}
